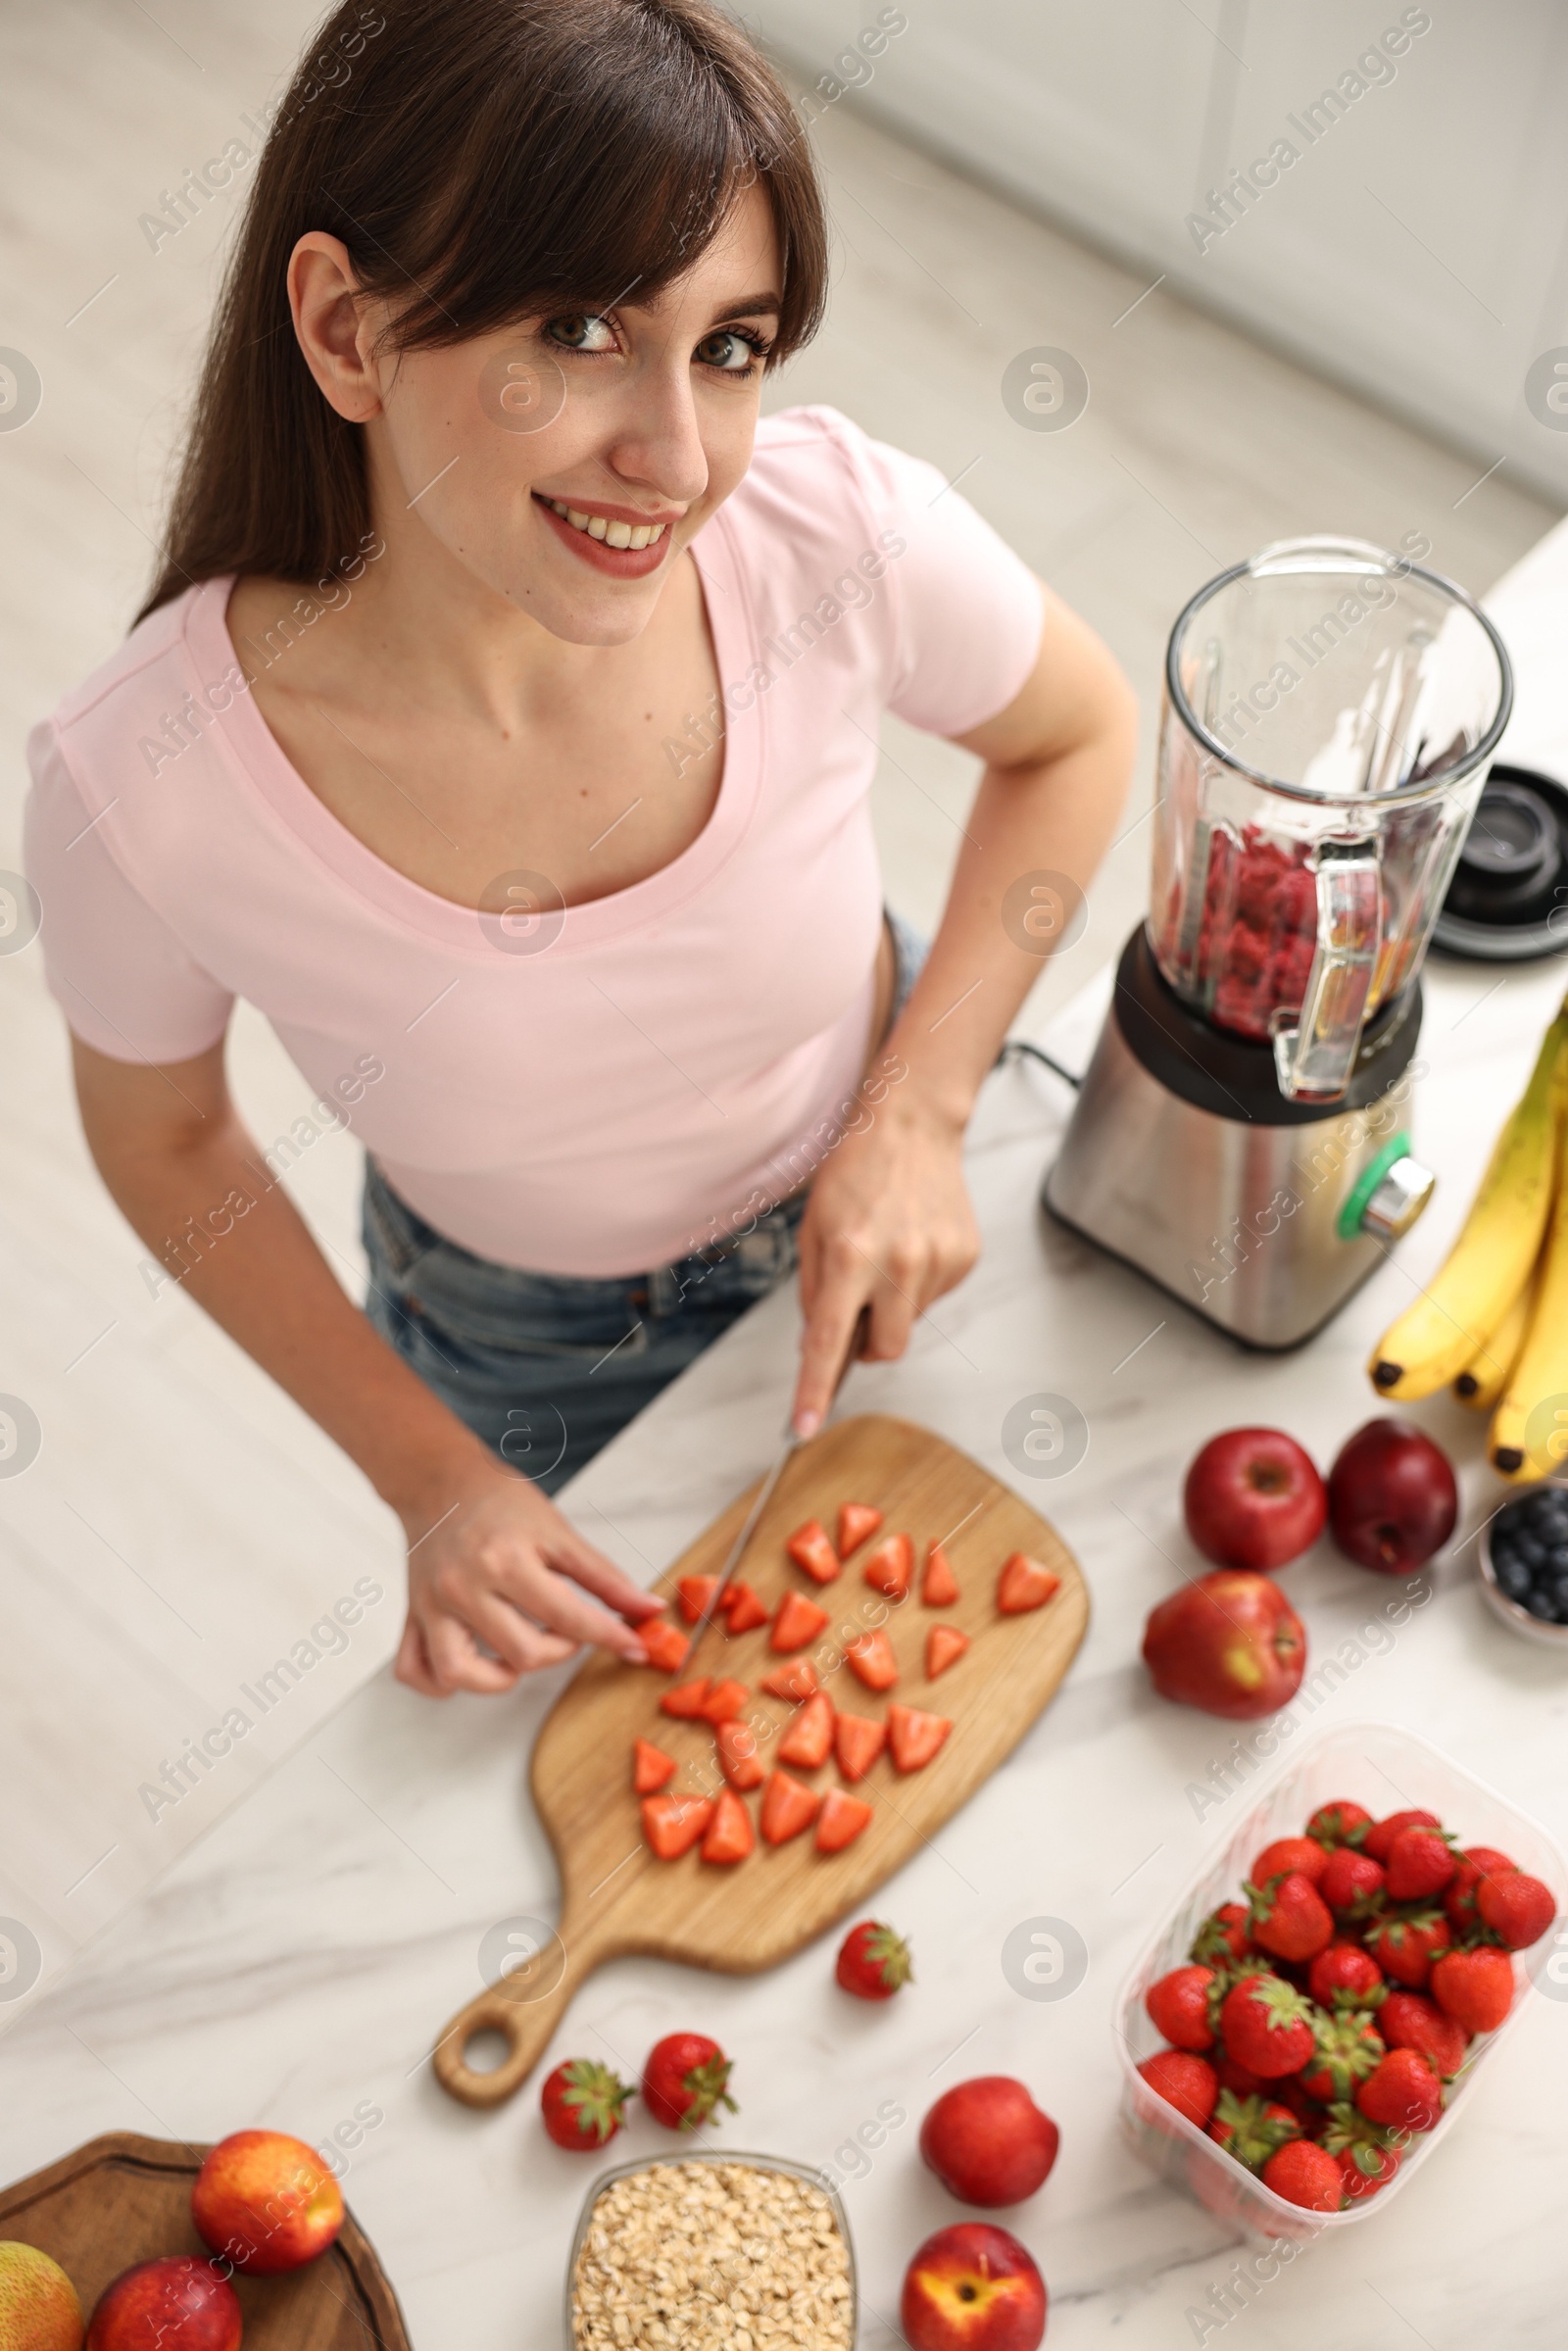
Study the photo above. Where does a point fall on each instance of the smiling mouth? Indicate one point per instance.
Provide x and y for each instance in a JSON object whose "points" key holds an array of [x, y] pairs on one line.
{"points": [[600, 527]]}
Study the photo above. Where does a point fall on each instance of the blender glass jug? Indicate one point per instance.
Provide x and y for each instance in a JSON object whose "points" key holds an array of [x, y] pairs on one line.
{"points": [[1330, 714]]}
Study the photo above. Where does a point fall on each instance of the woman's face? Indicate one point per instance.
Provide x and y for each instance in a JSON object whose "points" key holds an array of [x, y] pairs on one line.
{"points": [[567, 461]]}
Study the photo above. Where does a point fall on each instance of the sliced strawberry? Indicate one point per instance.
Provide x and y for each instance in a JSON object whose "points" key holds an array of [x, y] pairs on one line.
{"points": [[913, 1737], [724, 1702], [666, 1644], [685, 1702], [872, 1661], [730, 1836], [738, 1758], [840, 1821], [858, 1742], [858, 1523], [798, 1620], [941, 1587], [945, 1644], [808, 1740], [788, 1807], [890, 1568], [672, 1825], [1024, 1583], [794, 1681], [694, 1593], [651, 1768], [809, 1549], [742, 1610]]}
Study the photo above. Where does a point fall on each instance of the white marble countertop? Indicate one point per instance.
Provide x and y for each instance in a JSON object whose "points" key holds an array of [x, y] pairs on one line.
{"points": [[298, 1957]]}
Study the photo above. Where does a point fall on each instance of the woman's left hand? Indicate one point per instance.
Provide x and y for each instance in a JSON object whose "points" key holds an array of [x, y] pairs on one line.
{"points": [[888, 1226]]}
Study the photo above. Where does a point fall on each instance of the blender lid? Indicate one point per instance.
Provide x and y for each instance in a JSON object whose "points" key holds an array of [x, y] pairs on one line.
{"points": [[1509, 899]]}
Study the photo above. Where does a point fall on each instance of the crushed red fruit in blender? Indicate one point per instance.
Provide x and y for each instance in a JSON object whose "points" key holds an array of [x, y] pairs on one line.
{"points": [[1258, 932]]}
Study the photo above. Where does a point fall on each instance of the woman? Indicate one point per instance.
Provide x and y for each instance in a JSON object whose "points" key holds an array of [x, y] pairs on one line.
{"points": [[501, 725]]}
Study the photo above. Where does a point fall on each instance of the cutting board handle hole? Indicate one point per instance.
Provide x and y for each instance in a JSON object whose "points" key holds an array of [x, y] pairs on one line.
{"points": [[485, 2050]]}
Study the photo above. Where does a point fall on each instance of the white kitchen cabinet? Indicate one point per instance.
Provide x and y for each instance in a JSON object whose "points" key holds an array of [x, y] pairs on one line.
{"points": [[1417, 245]]}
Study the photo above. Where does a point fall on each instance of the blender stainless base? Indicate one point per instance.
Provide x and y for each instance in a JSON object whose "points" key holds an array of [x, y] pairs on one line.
{"points": [[1263, 1228]]}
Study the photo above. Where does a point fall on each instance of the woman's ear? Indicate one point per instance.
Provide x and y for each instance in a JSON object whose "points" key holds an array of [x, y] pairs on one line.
{"points": [[332, 324]]}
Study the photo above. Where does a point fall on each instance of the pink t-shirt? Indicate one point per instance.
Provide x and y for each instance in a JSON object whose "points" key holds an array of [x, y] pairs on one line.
{"points": [[589, 1092]]}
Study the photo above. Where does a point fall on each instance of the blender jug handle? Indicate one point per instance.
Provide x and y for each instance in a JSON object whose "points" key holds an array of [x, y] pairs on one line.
{"points": [[1314, 1059]]}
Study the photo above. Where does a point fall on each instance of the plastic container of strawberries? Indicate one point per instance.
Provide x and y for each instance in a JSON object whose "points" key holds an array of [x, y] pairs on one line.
{"points": [[1385, 1769]]}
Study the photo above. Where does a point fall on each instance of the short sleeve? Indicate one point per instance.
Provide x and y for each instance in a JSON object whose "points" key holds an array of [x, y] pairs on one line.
{"points": [[968, 609], [125, 984]]}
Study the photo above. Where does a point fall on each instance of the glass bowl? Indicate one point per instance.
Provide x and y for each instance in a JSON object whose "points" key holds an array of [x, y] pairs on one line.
{"points": [[1517, 1618], [756, 2163], [1384, 1768]]}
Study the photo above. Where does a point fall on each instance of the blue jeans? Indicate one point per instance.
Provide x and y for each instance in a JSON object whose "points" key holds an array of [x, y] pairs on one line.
{"points": [[546, 1368]]}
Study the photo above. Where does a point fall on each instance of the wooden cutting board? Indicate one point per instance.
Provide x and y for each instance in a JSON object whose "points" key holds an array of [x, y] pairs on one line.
{"points": [[124, 2199], [617, 1898]]}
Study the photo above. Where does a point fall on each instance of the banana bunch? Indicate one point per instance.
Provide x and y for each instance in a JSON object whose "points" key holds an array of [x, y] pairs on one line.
{"points": [[1493, 1320]]}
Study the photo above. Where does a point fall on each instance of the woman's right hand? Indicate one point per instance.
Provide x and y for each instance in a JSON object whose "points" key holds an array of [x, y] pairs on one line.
{"points": [[502, 1583]]}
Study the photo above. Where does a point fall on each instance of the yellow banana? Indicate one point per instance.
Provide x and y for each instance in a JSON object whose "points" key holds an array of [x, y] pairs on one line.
{"points": [[1489, 1263], [1529, 1436], [1485, 1377]]}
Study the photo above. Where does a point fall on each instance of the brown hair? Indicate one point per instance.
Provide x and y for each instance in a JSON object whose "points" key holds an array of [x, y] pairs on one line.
{"points": [[477, 158]]}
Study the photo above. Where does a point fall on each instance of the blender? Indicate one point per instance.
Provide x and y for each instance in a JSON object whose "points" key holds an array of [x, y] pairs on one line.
{"points": [[1242, 1132]]}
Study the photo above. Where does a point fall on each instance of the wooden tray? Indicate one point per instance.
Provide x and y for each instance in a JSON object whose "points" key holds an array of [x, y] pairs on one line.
{"points": [[617, 1898], [124, 2199]]}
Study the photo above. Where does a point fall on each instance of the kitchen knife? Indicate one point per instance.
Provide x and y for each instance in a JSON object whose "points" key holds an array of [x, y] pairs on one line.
{"points": [[765, 1492]]}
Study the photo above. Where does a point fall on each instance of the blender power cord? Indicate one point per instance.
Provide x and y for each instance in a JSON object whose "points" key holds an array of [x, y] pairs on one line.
{"points": [[1018, 1046]]}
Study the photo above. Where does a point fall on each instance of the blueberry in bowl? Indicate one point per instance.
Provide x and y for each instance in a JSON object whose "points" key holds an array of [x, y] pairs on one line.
{"points": [[1524, 1562]]}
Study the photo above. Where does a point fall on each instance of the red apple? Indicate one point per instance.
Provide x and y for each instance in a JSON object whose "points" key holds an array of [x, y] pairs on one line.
{"points": [[988, 2141], [1254, 1499], [181, 2303], [1393, 1501], [38, 2305], [1229, 1643], [972, 2288], [265, 2200]]}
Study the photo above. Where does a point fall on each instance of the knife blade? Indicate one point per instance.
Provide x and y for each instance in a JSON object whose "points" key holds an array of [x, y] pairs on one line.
{"points": [[764, 1493]]}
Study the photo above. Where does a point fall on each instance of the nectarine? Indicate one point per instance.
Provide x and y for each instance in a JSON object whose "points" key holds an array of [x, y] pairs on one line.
{"points": [[973, 2288], [268, 2201], [180, 2301]]}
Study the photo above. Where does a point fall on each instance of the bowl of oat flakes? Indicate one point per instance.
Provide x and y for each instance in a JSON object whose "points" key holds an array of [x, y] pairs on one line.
{"points": [[710, 2253]]}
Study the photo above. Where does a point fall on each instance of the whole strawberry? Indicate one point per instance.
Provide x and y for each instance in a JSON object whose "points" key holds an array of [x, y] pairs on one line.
{"points": [[1250, 2128], [873, 1962], [1368, 2154], [1407, 2020], [1289, 1918], [1377, 1840], [584, 2104], [1181, 2007], [1222, 1936], [1420, 1865], [1518, 1909], [1405, 1942], [1366, 2168], [1287, 1853], [685, 2081], [1347, 2048], [1351, 1883], [1401, 2092], [1338, 1824], [1475, 1987], [1266, 2026], [1185, 2082], [1307, 2175], [1345, 1977], [1459, 1900], [1239, 2079]]}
